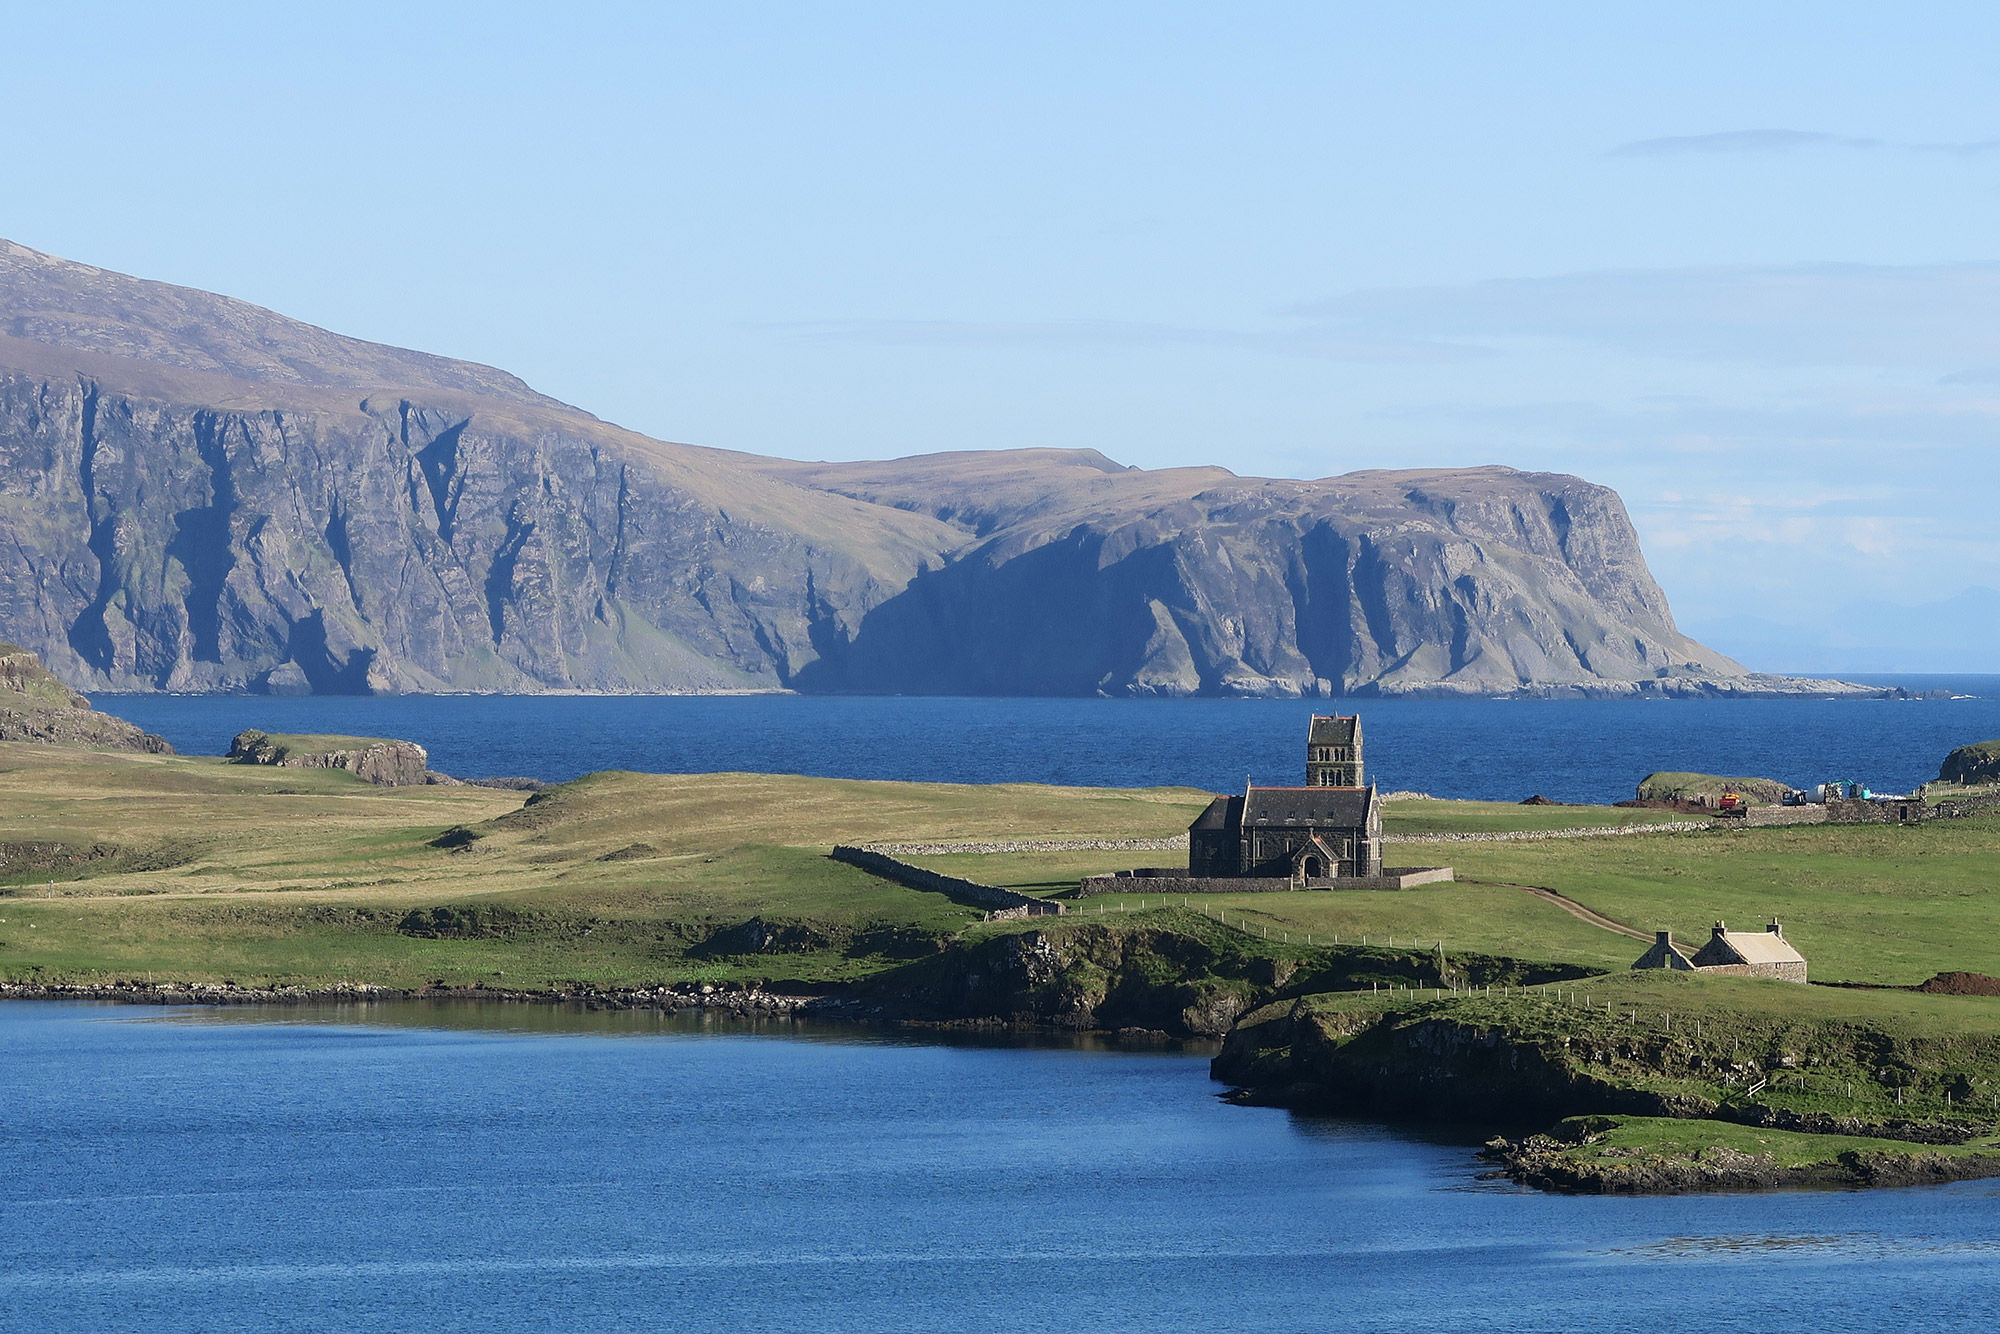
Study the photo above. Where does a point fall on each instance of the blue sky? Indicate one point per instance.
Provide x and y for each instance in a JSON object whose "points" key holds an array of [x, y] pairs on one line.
{"points": [[1739, 261]]}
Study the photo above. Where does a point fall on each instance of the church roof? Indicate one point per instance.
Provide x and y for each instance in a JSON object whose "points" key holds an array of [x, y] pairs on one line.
{"points": [[1335, 807], [1222, 813], [1334, 730]]}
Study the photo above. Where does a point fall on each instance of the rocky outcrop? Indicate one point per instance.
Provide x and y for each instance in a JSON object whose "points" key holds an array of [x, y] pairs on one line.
{"points": [[196, 494], [1705, 790], [371, 759], [36, 706], [1977, 763]]}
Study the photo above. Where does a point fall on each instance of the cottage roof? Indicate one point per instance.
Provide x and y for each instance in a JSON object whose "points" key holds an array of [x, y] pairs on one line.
{"points": [[1334, 807], [1333, 730], [1749, 947], [1761, 947]]}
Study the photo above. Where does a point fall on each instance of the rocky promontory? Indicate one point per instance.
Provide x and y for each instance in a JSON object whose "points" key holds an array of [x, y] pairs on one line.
{"points": [[371, 759], [1650, 1083], [1974, 764], [36, 706]]}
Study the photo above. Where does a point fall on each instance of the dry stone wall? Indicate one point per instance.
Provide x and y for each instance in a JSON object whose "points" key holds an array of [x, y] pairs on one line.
{"points": [[1003, 904]]}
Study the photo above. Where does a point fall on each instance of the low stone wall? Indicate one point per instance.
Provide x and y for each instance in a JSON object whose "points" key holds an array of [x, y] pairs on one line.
{"points": [[1147, 881], [1176, 843], [1782, 815], [1784, 972], [1004, 904], [1953, 808], [1574, 831]]}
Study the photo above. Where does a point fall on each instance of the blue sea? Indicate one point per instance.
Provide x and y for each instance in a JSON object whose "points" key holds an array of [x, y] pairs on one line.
{"points": [[446, 1168], [1503, 750]]}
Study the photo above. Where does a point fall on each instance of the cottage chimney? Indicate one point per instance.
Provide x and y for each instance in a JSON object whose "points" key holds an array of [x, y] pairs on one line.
{"points": [[1664, 938], [1776, 930], [1718, 930]]}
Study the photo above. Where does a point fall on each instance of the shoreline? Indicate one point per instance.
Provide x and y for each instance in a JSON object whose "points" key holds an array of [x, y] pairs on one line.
{"points": [[747, 1001], [1540, 1161]]}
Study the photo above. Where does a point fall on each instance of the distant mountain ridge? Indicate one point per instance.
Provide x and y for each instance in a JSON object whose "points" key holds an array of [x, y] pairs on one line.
{"points": [[199, 494]]}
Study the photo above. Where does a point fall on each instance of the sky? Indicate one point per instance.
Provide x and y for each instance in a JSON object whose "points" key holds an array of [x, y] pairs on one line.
{"points": [[1738, 261]]}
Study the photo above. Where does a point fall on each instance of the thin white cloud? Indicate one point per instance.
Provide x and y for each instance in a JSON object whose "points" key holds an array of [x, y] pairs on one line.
{"points": [[1773, 141], [1071, 335], [1938, 315], [1739, 141]]}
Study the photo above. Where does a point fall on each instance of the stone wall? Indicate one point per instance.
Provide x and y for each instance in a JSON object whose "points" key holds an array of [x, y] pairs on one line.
{"points": [[1149, 881], [1784, 972], [1953, 808], [1004, 904]]}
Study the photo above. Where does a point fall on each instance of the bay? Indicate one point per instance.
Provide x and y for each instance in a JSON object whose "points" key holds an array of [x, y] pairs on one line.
{"points": [[510, 1168], [1501, 750]]}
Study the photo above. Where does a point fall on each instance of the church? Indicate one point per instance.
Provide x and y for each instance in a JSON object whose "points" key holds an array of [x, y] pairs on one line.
{"points": [[1328, 830]]}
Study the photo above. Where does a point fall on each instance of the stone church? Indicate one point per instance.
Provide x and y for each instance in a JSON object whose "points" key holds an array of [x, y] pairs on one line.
{"points": [[1330, 829]]}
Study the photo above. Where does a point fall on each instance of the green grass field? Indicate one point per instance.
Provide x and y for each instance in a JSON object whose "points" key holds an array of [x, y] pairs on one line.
{"points": [[1864, 903], [120, 866], [115, 865]]}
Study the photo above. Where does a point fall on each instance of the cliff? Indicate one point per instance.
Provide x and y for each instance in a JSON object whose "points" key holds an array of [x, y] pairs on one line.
{"points": [[36, 706], [197, 494], [1977, 763]]}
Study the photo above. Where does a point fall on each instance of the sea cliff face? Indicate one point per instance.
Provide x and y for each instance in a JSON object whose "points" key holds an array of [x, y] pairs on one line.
{"points": [[196, 494]]}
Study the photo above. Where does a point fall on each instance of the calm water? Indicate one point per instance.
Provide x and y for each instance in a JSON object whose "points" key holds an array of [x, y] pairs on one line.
{"points": [[1571, 750], [431, 1169]]}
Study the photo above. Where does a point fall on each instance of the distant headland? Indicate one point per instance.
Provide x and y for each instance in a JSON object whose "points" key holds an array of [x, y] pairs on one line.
{"points": [[207, 496]]}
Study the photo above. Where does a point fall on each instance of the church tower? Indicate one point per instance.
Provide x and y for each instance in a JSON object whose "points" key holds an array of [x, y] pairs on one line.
{"points": [[1333, 752]]}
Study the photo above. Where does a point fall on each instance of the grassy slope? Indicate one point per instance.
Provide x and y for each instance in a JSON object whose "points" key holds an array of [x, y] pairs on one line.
{"points": [[1484, 817], [1692, 1139], [1864, 903], [266, 875]]}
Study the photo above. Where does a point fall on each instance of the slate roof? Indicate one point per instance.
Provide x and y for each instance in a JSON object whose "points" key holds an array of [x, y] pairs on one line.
{"points": [[1334, 730], [1326, 807], [1223, 813]]}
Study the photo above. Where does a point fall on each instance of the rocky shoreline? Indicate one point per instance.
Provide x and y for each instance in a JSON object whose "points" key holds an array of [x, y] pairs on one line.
{"points": [[749, 1001]]}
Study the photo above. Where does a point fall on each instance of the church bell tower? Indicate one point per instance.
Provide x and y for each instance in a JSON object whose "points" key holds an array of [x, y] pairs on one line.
{"points": [[1333, 752]]}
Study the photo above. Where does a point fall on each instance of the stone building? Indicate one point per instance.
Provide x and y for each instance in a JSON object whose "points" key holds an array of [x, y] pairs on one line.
{"points": [[1330, 829], [1665, 954], [1763, 953]]}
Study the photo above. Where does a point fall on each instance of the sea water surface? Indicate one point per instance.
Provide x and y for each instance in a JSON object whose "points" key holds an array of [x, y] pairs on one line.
{"points": [[1503, 750], [451, 1168]]}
